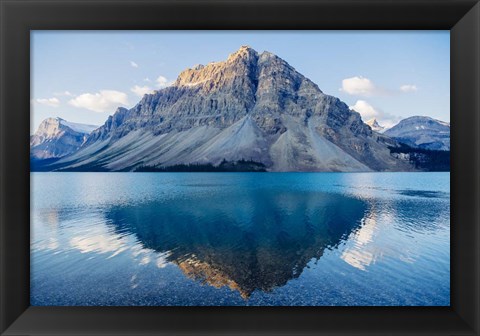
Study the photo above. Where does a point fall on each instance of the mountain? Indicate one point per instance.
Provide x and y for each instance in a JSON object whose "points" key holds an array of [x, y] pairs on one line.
{"points": [[422, 132], [375, 126], [56, 137], [252, 106], [271, 255]]}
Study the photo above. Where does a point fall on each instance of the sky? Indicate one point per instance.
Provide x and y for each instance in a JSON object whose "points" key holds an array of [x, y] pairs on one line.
{"points": [[83, 76]]}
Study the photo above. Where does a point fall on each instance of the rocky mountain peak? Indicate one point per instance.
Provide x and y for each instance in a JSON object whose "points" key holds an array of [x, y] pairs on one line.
{"points": [[56, 137], [52, 127], [198, 67], [245, 57], [49, 127], [250, 106], [374, 125], [245, 52]]}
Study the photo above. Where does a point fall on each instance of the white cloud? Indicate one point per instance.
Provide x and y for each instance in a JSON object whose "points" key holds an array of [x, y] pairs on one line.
{"points": [[142, 90], [52, 102], [359, 86], [389, 122], [364, 87], [162, 260], [408, 88], [366, 110], [159, 83], [64, 93], [162, 81], [101, 101], [133, 64], [369, 112], [101, 243]]}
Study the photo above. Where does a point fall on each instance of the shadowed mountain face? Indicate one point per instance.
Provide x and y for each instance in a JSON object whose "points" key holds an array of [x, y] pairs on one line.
{"points": [[253, 106], [257, 242]]}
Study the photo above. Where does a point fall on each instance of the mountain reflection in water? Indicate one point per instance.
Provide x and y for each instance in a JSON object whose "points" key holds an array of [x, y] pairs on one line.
{"points": [[247, 242], [240, 239]]}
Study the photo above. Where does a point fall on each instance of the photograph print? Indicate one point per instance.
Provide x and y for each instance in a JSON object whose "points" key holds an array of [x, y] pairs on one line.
{"points": [[240, 168]]}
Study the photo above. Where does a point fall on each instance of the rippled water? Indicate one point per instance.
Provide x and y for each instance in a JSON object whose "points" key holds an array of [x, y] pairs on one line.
{"points": [[240, 239]]}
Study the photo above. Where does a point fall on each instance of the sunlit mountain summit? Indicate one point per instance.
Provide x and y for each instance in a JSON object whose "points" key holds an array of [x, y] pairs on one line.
{"points": [[253, 107]]}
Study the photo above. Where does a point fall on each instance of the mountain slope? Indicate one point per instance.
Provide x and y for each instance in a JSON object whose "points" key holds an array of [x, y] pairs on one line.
{"points": [[422, 132], [56, 137], [253, 106]]}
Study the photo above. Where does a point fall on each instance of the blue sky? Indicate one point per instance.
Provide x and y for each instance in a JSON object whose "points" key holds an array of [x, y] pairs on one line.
{"points": [[83, 76]]}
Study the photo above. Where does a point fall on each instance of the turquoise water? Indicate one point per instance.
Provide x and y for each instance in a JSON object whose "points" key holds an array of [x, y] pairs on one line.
{"points": [[240, 239]]}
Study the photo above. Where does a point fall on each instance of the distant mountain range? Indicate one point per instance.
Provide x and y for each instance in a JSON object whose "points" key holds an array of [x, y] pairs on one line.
{"points": [[56, 138], [251, 108], [422, 132]]}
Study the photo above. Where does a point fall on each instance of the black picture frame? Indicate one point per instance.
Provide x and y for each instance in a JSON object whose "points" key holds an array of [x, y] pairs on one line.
{"points": [[18, 17]]}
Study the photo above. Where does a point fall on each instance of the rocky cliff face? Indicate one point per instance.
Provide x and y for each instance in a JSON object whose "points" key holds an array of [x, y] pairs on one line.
{"points": [[56, 137], [422, 132], [253, 106]]}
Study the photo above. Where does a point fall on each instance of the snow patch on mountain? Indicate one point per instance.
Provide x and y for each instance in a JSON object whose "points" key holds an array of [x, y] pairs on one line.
{"points": [[77, 127]]}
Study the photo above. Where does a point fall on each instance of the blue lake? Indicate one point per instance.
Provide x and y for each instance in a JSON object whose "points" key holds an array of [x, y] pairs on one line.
{"points": [[342, 239]]}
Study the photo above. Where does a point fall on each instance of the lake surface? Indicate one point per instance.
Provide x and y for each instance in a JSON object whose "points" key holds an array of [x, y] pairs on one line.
{"points": [[342, 239]]}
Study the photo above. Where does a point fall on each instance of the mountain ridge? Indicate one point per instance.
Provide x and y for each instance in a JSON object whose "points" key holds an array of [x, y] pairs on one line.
{"points": [[422, 132], [252, 106]]}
